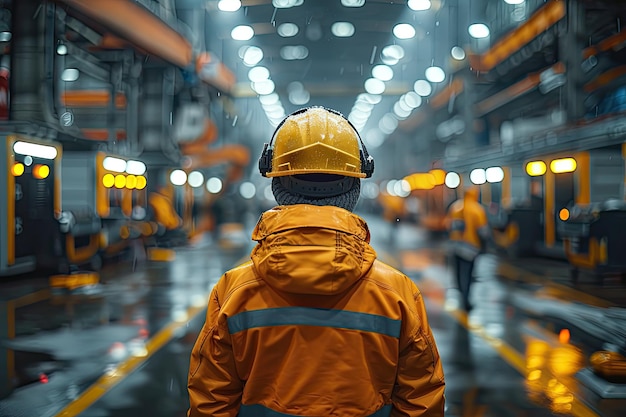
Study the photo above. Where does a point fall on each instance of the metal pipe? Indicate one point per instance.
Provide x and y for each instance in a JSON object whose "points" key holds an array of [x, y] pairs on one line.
{"points": [[138, 26]]}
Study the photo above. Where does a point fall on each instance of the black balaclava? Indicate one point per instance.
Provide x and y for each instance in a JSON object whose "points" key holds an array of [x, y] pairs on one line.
{"points": [[286, 197]]}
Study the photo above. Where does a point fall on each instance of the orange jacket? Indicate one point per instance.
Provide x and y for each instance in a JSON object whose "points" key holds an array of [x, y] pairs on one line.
{"points": [[468, 225], [314, 325]]}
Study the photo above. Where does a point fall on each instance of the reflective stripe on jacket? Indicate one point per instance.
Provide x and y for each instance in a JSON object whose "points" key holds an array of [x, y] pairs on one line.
{"points": [[314, 325]]}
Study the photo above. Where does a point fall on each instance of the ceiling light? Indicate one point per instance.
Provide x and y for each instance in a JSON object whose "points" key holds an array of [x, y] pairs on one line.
{"points": [[178, 177], [392, 54], [195, 179], [422, 87], [252, 55], [342, 29], [214, 185], [353, 3], [374, 138], [403, 31], [494, 174], [263, 87], [70, 74], [291, 52], [242, 33], [382, 72], [457, 53], [374, 86], [399, 111], [5, 36], [478, 30], [369, 98], [412, 99], [452, 180], [478, 176], [61, 49], [229, 5], [299, 98], [269, 99], [388, 124], [435, 74], [418, 5], [287, 30], [514, 1], [258, 74]]}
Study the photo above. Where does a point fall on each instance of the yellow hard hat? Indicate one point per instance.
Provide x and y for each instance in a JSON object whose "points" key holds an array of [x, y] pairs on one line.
{"points": [[315, 140]]}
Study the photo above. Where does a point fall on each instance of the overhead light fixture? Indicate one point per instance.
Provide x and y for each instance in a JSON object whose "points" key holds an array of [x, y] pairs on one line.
{"points": [[251, 55], [392, 54], [269, 99], [287, 30], [403, 31], [423, 88], [242, 33], [352, 3], [453, 180], [478, 176], [419, 5], [286, 4], [435, 74], [412, 99], [494, 174], [514, 1], [70, 74], [382, 72], [478, 30], [214, 185], [247, 190], [195, 179], [178, 177], [258, 74], [374, 86], [294, 52], [263, 87], [342, 29], [457, 53], [61, 49], [229, 5]]}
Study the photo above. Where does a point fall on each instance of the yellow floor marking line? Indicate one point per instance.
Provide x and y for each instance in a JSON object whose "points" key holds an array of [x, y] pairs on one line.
{"points": [[514, 358], [123, 369]]}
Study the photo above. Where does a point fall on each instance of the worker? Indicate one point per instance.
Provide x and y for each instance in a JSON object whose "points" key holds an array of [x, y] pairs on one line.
{"points": [[468, 231], [314, 324]]}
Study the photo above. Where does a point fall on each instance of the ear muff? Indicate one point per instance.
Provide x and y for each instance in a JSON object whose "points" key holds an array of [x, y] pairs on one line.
{"points": [[265, 161]]}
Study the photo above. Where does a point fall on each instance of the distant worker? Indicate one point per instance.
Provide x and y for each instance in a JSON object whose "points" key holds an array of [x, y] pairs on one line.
{"points": [[314, 324], [468, 230]]}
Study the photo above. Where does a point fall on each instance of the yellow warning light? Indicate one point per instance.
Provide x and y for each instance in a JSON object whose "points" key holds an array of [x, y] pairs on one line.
{"points": [[41, 171], [141, 182], [18, 169], [564, 336], [120, 181], [564, 214], [131, 181], [560, 166], [108, 180], [536, 168]]}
